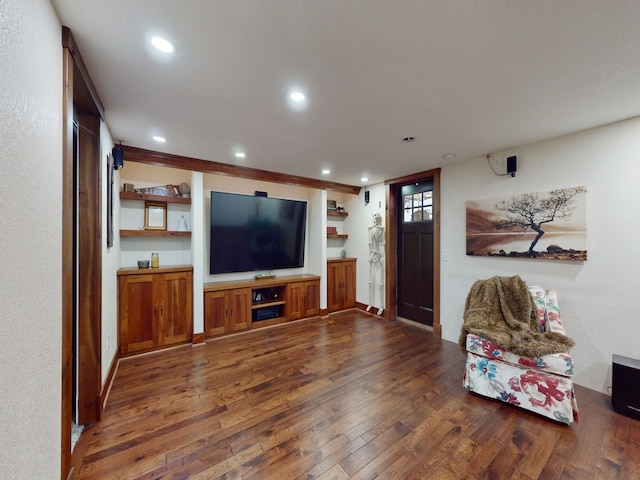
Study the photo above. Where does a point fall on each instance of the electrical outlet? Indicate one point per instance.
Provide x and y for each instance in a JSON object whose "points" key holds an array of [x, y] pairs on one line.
{"points": [[495, 161]]}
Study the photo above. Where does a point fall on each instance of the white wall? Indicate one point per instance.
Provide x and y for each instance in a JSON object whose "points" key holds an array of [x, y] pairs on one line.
{"points": [[598, 298], [31, 239], [110, 260], [357, 224]]}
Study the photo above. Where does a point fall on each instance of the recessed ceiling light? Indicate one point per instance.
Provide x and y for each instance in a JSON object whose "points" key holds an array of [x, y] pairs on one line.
{"points": [[364, 179], [448, 156], [160, 139], [297, 96], [240, 155], [326, 171], [162, 44]]}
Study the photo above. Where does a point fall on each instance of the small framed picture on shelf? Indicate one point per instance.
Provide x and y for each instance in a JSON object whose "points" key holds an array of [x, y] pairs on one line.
{"points": [[155, 216]]}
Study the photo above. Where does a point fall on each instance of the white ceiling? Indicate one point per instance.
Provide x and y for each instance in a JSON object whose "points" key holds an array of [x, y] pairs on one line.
{"points": [[466, 77]]}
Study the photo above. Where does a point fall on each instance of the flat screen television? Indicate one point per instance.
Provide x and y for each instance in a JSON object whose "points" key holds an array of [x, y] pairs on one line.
{"points": [[251, 233]]}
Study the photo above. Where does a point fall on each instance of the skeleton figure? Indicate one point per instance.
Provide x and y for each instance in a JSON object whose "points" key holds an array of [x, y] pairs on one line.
{"points": [[376, 263]]}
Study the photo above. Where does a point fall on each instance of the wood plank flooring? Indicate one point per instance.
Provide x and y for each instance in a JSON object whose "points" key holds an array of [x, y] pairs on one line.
{"points": [[345, 397]]}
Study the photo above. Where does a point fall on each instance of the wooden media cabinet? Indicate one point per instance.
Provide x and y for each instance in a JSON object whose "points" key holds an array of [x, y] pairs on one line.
{"points": [[238, 305]]}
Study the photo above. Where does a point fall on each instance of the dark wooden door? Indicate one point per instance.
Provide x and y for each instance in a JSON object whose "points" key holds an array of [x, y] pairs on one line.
{"points": [[415, 252], [215, 313], [239, 309], [176, 308], [295, 300], [334, 288], [138, 322], [312, 298]]}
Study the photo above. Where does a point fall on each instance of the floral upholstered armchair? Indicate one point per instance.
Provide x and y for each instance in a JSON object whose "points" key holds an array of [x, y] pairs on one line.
{"points": [[533, 380]]}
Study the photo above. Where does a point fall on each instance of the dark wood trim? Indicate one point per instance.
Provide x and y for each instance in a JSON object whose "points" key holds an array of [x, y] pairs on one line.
{"points": [[67, 263], [150, 157], [89, 269], [437, 326], [113, 367], [80, 95], [416, 177], [390, 256], [198, 338], [324, 312], [391, 244], [87, 90]]}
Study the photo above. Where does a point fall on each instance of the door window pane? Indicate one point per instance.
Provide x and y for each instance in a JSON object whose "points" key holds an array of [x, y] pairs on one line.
{"points": [[418, 207]]}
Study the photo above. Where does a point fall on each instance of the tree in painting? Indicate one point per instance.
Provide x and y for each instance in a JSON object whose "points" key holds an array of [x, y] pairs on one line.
{"points": [[531, 211]]}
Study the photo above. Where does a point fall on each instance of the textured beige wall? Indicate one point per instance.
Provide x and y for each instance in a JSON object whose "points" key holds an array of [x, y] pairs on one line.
{"points": [[598, 298], [30, 236]]}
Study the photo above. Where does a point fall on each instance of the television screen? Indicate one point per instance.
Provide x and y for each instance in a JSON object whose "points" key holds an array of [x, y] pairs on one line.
{"points": [[250, 233]]}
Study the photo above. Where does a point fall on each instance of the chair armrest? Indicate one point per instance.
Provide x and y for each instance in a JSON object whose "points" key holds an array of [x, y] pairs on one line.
{"points": [[552, 313]]}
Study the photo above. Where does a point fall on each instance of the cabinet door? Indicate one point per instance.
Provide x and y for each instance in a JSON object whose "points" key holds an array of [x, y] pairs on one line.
{"points": [[334, 288], [312, 298], [239, 309], [215, 313], [349, 284], [295, 300], [175, 294], [138, 313]]}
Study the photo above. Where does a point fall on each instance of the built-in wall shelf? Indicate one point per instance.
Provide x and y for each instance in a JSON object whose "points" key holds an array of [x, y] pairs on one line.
{"points": [[153, 233], [341, 236], [336, 213], [154, 198]]}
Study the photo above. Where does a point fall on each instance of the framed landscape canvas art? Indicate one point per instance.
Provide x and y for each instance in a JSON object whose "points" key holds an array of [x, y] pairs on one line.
{"points": [[542, 225]]}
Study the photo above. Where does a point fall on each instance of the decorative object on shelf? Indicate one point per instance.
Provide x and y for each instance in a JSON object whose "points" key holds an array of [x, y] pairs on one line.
{"points": [[265, 275], [155, 260], [331, 205], [343, 254], [332, 230], [184, 189], [143, 263], [162, 190], [376, 263], [155, 216], [182, 225], [128, 187]]}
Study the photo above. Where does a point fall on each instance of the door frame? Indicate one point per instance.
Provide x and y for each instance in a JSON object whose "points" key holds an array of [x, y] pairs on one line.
{"points": [[79, 98], [391, 247]]}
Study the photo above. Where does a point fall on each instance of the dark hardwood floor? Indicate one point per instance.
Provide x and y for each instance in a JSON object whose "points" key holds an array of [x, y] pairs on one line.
{"points": [[349, 396]]}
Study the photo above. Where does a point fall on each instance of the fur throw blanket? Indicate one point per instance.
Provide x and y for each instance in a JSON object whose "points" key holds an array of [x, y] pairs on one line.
{"points": [[502, 310]]}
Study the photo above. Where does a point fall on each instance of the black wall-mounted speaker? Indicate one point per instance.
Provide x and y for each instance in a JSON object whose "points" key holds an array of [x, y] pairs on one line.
{"points": [[625, 390], [512, 165], [366, 196], [118, 157]]}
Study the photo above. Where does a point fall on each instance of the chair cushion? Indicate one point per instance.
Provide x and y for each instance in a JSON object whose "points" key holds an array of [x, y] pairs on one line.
{"points": [[558, 363]]}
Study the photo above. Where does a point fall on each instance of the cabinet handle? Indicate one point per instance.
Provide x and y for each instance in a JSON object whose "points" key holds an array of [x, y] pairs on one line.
{"points": [[155, 310], [231, 311]]}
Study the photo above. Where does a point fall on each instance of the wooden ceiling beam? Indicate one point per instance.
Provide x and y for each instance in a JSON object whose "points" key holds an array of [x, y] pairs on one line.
{"points": [[151, 157]]}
